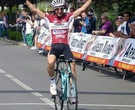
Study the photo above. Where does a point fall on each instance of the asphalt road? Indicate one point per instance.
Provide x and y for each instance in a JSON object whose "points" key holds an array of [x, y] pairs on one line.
{"points": [[24, 84]]}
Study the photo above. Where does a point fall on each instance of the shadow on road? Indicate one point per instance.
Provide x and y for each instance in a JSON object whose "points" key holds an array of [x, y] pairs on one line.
{"points": [[109, 72]]}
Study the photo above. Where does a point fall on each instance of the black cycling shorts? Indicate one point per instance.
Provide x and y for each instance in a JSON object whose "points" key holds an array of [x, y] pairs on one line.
{"points": [[58, 49]]}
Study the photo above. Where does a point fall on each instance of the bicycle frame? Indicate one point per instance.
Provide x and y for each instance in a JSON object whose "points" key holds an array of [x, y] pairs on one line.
{"points": [[66, 86], [65, 74]]}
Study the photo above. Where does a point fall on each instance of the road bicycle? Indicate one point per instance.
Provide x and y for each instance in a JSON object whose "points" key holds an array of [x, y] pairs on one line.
{"points": [[66, 86]]}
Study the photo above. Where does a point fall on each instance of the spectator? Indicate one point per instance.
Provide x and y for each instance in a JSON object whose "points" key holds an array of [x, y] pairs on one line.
{"points": [[84, 22], [125, 33], [35, 24], [17, 15], [5, 22], [29, 30], [77, 25], [40, 24], [71, 29], [37, 31], [72, 9], [1, 24], [21, 21], [92, 22], [46, 27], [132, 30], [105, 28], [119, 23], [128, 19]]}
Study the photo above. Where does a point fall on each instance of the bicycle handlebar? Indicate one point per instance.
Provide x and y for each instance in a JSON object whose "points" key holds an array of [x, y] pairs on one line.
{"points": [[84, 65]]}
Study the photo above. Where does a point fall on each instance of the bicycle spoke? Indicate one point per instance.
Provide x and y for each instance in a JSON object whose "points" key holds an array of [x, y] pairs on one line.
{"points": [[58, 102], [72, 99]]}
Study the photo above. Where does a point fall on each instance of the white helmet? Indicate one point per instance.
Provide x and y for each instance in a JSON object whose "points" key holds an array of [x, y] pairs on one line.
{"points": [[57, 3]]}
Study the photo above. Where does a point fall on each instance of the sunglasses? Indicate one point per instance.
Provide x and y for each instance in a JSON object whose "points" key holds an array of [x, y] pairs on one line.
{"points": [[119, 18], [102, 18], [61, 8]]}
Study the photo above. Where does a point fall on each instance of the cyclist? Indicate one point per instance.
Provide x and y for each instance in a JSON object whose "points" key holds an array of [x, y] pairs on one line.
{"points": [[58, 26]]}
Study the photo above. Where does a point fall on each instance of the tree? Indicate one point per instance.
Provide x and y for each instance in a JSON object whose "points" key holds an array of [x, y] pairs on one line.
{"points": [[113, 7], [9, 3]]}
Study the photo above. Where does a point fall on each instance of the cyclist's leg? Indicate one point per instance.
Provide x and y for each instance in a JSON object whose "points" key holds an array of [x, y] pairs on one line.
{"points": [[68, 54], [51, 59], [72, 86], [73, 70]]}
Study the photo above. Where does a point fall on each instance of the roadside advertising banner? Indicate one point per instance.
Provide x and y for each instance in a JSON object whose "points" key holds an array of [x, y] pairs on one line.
{"points": [[126, 58], [117, 52], [78, 43], [44, 40], [102, 49]]}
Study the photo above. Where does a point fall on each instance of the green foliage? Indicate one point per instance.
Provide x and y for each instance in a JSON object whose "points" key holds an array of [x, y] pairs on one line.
{"points": [[126, 5], [113, 7], [14, 9], [3, 33], [14, 35], [43, 6]]}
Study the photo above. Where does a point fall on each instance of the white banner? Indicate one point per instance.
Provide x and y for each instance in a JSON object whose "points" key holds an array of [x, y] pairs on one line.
{"points": [[103, 49], [43, 34], [78, 43], [126, 58], [44, 40], [100, 49]]}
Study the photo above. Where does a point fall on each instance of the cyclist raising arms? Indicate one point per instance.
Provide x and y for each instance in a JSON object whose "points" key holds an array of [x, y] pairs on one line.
{"points": [[58, 25]]}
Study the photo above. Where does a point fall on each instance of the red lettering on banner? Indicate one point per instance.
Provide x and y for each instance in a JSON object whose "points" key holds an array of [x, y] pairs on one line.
{"points": [[124, 66], [47, 47], [97, 60], [77, 55], [39, 45]]}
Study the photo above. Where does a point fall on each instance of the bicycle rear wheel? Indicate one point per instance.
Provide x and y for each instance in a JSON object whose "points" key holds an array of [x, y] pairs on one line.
{"points": [[72, 99], [58, 102]]}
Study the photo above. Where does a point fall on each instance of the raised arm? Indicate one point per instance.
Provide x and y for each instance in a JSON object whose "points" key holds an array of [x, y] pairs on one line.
{"points": [[34, 9], [82, 8]]}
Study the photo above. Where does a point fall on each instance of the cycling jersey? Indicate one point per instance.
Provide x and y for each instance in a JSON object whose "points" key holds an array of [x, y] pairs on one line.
{"points": [[58, 27]]}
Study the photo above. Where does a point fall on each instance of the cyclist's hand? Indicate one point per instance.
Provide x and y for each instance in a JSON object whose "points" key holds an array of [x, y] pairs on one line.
{"points": [[27, 2]]}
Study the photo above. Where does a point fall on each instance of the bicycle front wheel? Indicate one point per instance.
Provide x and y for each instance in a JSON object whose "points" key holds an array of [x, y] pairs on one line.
{"points": [[72, 99], [58, 102]]}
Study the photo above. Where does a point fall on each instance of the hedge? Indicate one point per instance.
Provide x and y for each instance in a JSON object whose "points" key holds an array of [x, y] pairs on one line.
{"points": [[15, 35]]}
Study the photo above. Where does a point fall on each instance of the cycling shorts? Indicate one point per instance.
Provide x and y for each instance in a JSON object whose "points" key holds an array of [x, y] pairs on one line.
{"points": [[59, 49]]}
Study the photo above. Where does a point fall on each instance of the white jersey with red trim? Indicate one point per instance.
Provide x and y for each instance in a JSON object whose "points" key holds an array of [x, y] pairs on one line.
{"points": [[59, 27]]}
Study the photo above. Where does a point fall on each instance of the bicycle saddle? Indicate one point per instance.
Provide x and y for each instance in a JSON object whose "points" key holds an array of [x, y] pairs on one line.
{"points": [[61, 57]]}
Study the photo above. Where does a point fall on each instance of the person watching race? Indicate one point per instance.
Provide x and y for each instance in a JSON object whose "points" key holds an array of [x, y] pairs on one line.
{"points": [[59, 26]]}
